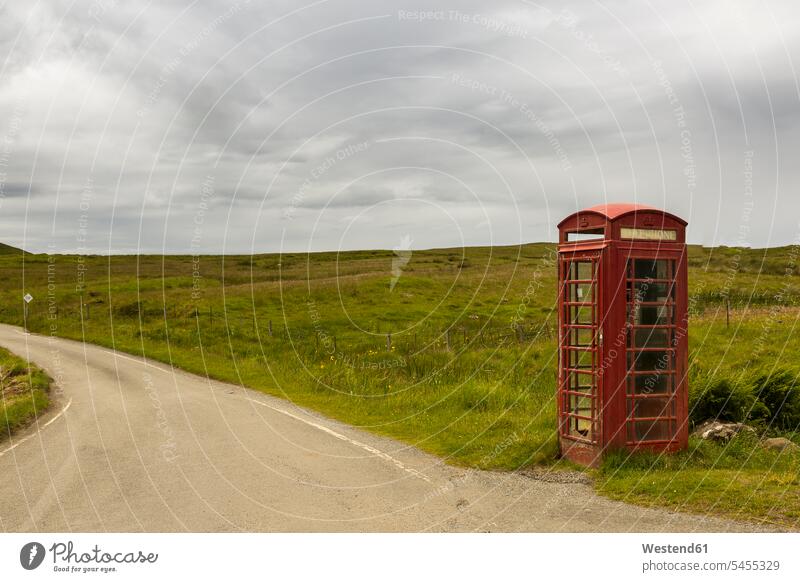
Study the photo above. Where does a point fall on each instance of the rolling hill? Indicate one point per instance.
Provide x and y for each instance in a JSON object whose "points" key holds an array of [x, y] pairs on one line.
{"points": [[9, 250]]}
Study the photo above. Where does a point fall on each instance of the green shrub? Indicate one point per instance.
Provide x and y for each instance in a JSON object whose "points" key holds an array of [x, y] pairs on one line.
{"points": [[780, 395], [721, 398], [764, 398], [132, 309]]}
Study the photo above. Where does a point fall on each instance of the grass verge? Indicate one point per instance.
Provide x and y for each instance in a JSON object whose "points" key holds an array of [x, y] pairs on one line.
{"points": [[740, 480], [24, 393]]}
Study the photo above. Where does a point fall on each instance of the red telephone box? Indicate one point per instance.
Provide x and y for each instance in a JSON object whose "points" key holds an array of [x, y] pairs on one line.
{"points": [[623, 349]]}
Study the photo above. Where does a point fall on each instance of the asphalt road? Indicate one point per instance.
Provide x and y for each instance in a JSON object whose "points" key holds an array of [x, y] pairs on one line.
{"points": [[134, 445]]}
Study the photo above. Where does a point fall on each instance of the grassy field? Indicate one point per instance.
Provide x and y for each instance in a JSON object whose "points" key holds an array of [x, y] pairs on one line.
{"points": [[23, 393], [450, 350]]}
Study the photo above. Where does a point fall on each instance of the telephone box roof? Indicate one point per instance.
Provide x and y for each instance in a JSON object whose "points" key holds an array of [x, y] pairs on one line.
{"points": [[614, 211]]}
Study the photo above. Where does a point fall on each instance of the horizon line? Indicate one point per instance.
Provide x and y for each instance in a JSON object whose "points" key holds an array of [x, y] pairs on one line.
{"points": [[317, 252]]}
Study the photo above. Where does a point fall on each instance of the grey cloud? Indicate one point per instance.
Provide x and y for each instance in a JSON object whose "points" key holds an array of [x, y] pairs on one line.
{"points": [[511, 112], [18, 190]]}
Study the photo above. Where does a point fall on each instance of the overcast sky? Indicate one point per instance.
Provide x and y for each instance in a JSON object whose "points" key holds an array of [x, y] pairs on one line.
{"points": [[258, 127]]}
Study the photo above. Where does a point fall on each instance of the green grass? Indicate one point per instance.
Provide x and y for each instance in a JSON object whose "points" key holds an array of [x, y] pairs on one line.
{"points": [[9, 250], [23, 393], [740, 480], [487, 402]]}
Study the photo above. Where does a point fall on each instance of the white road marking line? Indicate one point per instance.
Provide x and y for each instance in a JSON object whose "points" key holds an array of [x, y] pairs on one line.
{"points": [[143, 361], [55, 418], [44, 426], [115, 354], [341, 437], [333, 433]]}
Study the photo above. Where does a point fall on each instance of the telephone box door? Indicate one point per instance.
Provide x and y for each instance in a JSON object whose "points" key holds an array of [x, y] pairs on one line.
{"points": [[655, 382], [580, 391]]}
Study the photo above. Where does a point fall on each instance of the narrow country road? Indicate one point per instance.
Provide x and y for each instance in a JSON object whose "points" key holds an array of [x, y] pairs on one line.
{"points": [[133, 445]]}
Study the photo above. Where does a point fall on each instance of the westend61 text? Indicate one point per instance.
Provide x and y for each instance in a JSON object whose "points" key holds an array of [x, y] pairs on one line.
{"points": [[671, 549]]}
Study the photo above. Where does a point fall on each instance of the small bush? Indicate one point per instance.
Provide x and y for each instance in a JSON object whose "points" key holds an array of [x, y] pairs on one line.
{"points": [[129, 309], [780, 396], [764, 398], [721, 399]]}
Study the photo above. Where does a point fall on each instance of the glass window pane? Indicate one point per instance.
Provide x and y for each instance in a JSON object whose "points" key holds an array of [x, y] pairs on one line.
{"points": [[652, 269], [649, 407], [651, 430], [579, 359], [648, 292], [581, 382], [652, 338], [580, 315], [580, 337], [580, 405], [581, 270], [581, 427], [651, 360], [652, 315], [651, 383], [583, 292]]}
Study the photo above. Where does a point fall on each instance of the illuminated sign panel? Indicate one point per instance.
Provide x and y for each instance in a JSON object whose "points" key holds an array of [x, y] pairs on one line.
{"points": [[648, 234]]}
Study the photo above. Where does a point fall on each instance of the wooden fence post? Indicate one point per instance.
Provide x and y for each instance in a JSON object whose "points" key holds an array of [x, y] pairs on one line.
{"points": [[388, 342], [727, 312]]}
